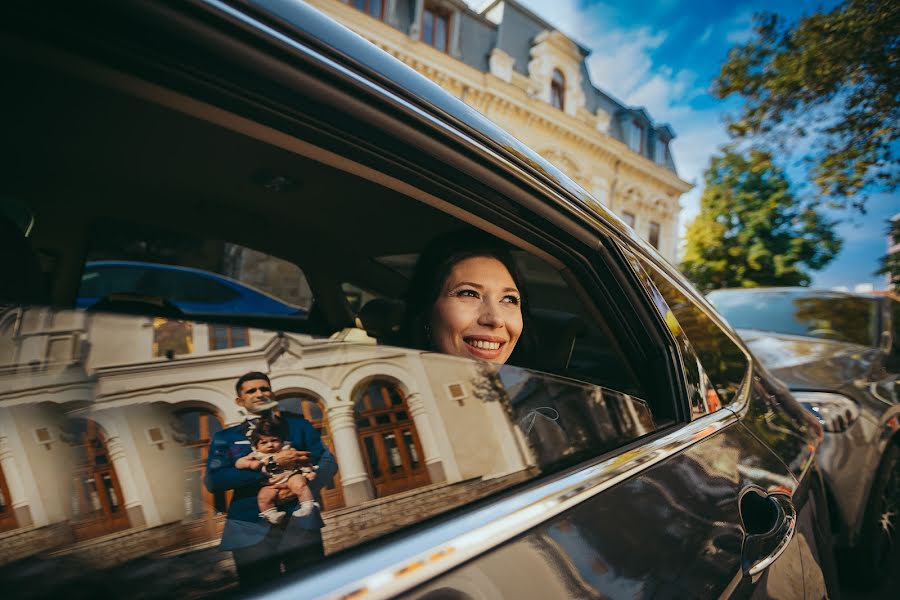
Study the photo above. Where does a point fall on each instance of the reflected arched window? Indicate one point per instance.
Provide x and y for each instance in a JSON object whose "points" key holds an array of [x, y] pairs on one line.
{"points": [[204, 512], [313, 410], [388, 439], [97, 504], [558, 90]]}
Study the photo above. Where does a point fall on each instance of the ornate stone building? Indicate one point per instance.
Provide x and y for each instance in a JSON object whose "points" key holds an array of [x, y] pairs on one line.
{"points": [[531, 79]]}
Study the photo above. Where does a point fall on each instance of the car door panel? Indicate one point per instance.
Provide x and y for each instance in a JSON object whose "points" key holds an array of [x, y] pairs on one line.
{"points": [[673, 531]]}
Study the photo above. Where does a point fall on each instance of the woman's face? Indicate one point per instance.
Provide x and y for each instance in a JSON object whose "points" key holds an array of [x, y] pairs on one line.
{"points": [[478, 313]]}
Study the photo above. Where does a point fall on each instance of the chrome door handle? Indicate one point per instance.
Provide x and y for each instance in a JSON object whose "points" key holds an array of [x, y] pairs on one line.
{"points": [[769, 522]]}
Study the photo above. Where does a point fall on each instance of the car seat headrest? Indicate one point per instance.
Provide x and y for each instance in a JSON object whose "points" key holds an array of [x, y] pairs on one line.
{"points": [[381, 318]]}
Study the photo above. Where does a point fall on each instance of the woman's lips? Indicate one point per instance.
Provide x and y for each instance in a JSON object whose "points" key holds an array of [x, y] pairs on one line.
{"points": [[487, 348]]}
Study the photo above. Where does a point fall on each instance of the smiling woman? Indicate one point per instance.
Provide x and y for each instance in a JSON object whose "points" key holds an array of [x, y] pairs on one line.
{"points": [[465, 299]]}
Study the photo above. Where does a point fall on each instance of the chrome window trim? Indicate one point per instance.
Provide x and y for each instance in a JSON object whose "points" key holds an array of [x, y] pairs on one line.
{"points": [[402, 564]]}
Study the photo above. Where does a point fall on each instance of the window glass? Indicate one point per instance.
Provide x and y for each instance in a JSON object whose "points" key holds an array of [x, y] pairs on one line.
{"points": [[100, 281], [653, 235], [662, 151], [428, 26], [440, 31], [629, 219], [722, 360], [558, 89], [196, 275], [636, 137], [806, 313], [143, 434]]}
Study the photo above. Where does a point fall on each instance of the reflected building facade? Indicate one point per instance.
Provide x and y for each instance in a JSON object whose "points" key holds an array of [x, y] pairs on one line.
{"points": [[104, 441]]}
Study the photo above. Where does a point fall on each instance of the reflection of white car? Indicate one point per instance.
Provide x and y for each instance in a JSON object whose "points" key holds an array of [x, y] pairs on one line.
{"points": [[840, 355], [193, 291]]}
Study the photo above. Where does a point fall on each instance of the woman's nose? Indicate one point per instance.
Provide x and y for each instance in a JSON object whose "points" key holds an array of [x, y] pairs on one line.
{"points": [[490, 315]]}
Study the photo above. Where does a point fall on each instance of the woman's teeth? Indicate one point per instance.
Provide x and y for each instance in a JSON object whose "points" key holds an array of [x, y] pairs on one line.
{"points": [[482, 345]]}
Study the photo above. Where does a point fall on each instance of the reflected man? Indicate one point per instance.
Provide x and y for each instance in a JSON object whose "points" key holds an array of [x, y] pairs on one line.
{"points": [[259, 548]]}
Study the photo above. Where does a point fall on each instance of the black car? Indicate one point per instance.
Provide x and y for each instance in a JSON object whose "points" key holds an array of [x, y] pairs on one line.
{"points": [[840, 355], [636, 451]]}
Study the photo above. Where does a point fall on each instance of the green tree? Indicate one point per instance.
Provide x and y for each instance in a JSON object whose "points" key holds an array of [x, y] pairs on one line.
{"points": [[750, 231], [890, 263], [832, 77]]}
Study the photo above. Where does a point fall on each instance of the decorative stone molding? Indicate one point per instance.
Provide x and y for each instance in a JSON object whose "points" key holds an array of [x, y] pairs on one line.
{"points": [[603, 120], [501, 65], [563, 162], [553, 50], [600, 189]]}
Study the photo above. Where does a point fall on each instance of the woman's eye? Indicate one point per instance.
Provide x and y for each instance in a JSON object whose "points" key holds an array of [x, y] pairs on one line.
{"points": [[467, 293], [511, 299]]}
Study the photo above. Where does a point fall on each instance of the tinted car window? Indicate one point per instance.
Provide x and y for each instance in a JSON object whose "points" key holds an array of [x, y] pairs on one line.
{"points": [[194, 273], [182, 286], [99, 282], [814, 314], [723, 361]]}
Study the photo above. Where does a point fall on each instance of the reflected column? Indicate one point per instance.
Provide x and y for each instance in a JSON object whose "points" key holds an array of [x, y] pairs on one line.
{"points": [[131, 500], [354, 477], [433, 461]]}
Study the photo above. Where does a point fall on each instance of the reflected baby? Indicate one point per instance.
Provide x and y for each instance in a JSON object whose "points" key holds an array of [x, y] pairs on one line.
{"points": [[267, 437]]}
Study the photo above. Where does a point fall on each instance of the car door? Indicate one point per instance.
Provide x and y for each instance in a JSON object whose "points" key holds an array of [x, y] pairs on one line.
{"points": [[713, 512]]}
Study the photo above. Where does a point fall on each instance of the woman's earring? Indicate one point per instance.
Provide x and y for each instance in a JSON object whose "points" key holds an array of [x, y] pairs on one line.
{"points": [[428, 334]]}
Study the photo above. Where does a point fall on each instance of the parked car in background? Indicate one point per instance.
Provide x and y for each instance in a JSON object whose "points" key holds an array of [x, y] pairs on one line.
{"points": [[634, 448], [190, 290], [839, 354]]}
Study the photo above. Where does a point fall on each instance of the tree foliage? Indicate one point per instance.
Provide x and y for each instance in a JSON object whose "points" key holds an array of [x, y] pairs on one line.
{"points": [[832, 77], [750, 231], [889, 264]]}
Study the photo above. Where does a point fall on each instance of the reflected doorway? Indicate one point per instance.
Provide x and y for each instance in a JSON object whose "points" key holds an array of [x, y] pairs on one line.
{"points": [[388, 439], [98, 507]]}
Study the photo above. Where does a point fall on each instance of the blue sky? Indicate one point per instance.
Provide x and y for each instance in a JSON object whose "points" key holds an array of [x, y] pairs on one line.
{"points": [[663, 55]]}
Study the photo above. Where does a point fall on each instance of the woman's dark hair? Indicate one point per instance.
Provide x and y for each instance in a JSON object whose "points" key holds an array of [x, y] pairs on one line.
{"points": [[267, 425], [433, 268]]}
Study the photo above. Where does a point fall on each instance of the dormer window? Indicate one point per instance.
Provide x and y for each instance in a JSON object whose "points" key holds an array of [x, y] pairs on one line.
{"points": [[436, 27], [662, 151], [558, 90], [636, 137], [373, 8]]}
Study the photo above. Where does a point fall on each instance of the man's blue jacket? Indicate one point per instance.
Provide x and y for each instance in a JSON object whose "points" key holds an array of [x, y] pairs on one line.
{"points": [[244, 526]]}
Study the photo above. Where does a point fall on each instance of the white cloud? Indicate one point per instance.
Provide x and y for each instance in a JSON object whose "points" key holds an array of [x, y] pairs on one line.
{"points": [[706, 35], [740, 28], [864, 288], [840, 288]]}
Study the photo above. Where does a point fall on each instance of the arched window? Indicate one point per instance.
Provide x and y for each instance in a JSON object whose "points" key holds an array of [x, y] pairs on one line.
{"points": [[388, 439], [97, 504], [204, 512], [313, 410], [558, 90]]}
